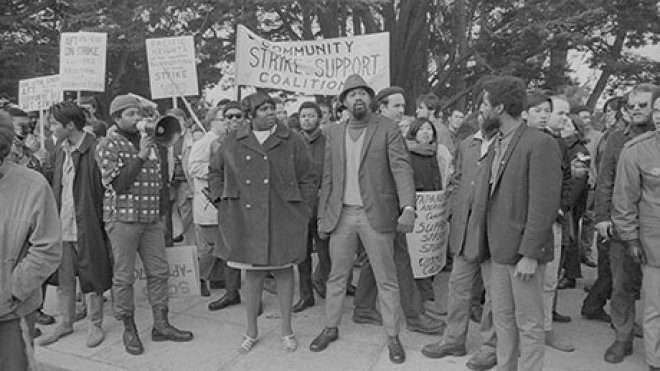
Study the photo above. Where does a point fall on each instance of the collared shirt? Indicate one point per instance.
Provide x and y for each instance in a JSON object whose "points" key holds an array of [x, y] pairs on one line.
{"points": [[485, 142], [68, 210], [502, 140]]}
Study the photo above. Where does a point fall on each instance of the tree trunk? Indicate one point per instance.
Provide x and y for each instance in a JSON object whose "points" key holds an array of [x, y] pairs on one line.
{"points": [[460, 29], [614, 55], [558, 61], [328, 17]]}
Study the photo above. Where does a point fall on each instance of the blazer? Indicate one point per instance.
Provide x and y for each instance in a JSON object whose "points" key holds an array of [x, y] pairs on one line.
{"points": [[385, 175], [467, 193], [524, 198]]}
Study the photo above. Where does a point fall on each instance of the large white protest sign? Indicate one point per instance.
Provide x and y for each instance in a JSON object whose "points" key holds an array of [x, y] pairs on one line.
{"points": [[172, 67], [39, 93], [312, 67], [427, 244], [82, 61], [184, 272]]}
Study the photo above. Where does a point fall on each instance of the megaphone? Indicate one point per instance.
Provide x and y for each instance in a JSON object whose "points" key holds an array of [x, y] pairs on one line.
{"points": [[165, 130]]}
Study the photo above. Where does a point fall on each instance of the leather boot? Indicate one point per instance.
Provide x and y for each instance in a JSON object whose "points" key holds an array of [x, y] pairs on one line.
{"points": [[131, 339], [618, 350], [163, 331]]}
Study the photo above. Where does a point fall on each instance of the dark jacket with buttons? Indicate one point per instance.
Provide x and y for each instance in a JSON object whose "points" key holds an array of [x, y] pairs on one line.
{"points": [[263, 193]]}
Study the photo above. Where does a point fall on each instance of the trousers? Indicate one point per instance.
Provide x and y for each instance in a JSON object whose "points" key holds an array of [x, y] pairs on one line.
{"points": [[551, 278], [353, 224], [209, 238], [626, 284], [15, 336], [651, 287], [128, 240], [463, 276], [410, 296], [518, 318], [601, 291]]}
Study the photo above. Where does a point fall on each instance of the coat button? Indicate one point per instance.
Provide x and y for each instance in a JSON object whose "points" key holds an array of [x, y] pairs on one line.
{"points": [[265, 181], [266, 158], [248, 206], [248, 157], [248, 181]]}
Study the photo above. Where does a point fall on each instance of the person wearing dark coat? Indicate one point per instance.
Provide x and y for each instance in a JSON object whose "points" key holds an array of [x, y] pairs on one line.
{"points": [[262, 182], [79, 195]]}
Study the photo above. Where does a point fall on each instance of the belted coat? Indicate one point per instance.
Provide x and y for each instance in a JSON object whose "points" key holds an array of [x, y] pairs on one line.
{"points": [[264, 194]]}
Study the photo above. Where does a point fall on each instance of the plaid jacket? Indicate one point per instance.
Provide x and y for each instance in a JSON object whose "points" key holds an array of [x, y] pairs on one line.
{"points": [[141, 202]]}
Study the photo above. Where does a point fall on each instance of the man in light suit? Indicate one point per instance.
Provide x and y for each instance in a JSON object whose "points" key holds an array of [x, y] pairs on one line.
{"points": [[367, 192], [525, 190]]}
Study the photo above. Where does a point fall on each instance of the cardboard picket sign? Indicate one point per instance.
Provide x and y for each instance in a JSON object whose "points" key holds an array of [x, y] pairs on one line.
{"points": [[172, 67], [39, 93], [184, 273], [427, 244], [82, 61], [312, 66]]}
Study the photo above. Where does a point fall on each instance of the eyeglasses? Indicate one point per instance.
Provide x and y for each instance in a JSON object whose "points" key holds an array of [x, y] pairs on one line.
{"points": [[236, 116], [641, 105]]}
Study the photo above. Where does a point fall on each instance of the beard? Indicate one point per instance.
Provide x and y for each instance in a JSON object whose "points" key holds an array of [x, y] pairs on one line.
{"points": [[491, 124], [359, 109]]}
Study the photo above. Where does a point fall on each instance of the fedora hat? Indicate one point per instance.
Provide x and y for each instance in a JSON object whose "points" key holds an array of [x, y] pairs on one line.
{"points": [[354, 82]]}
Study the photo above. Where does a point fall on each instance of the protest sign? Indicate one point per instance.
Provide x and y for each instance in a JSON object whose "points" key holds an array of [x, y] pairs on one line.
{"points": [[39, 93], [184, 272], [82, 61], [172, 67], [427, 244], [312, 67]]}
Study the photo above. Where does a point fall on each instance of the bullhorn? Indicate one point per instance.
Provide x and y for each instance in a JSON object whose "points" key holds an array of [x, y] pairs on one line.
{"points": [[165, 130]]}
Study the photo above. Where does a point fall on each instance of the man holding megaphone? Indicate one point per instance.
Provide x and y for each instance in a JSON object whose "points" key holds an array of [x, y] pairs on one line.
{"points": [[131, 174]]}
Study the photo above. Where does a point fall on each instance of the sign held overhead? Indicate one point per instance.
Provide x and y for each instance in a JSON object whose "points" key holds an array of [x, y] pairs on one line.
{"points": [[172, 67], [82, 61]]}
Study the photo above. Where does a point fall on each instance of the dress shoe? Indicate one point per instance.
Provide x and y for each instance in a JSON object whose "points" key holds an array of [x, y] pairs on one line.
{"points": [[566, 283], [367, 317], [303, 304], [556, 317], [554, 341], [44, 319], [95, 336], [397, 354], [215, 285], [225, 301], [131, 339], [618, 350], [59, 332], [588, 261], [319, 288], [484, 359], [350, 290], [164, 331], [599, 315], [327, 336], [442, 349], [426, 325], [204, 289]]}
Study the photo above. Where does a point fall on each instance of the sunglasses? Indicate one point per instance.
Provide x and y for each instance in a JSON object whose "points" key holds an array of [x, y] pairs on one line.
{"points": [[640, 105], [236, 116]]}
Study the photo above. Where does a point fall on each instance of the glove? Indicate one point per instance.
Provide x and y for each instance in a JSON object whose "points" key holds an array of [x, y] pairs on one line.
{"points": [[406, 221], [635, 251]]}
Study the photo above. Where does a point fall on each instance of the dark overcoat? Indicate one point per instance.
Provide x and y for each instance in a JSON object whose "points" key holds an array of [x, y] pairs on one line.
{"points": [[94, 264], [265, 193]]}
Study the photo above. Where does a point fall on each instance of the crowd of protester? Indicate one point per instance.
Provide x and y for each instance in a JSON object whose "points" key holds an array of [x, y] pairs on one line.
{"points": [[533, 182]]}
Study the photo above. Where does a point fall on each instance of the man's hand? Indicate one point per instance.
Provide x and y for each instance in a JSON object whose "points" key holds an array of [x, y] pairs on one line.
{"points": [[146, 144], [322, 235], [604, 229], [635, 251], [578, 168], [406, 221], [526, 268]]}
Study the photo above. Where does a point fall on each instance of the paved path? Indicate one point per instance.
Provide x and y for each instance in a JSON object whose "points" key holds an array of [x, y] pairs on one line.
{"points": [[361, 347]]}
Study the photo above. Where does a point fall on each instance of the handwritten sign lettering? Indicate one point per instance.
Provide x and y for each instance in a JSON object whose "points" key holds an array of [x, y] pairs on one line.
{"points": [[172, 67], [312, 67], [184, 273], [39, 93], [82, 61], [427, 244]]}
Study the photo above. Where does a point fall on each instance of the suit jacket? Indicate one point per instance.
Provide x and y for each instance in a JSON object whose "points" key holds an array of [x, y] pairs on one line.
{"points": [[385, 175], [468, 194], [525, 196]]}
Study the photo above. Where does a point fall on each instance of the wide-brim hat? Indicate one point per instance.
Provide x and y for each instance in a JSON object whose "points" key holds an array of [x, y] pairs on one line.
{"points": [[354, 82]]}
